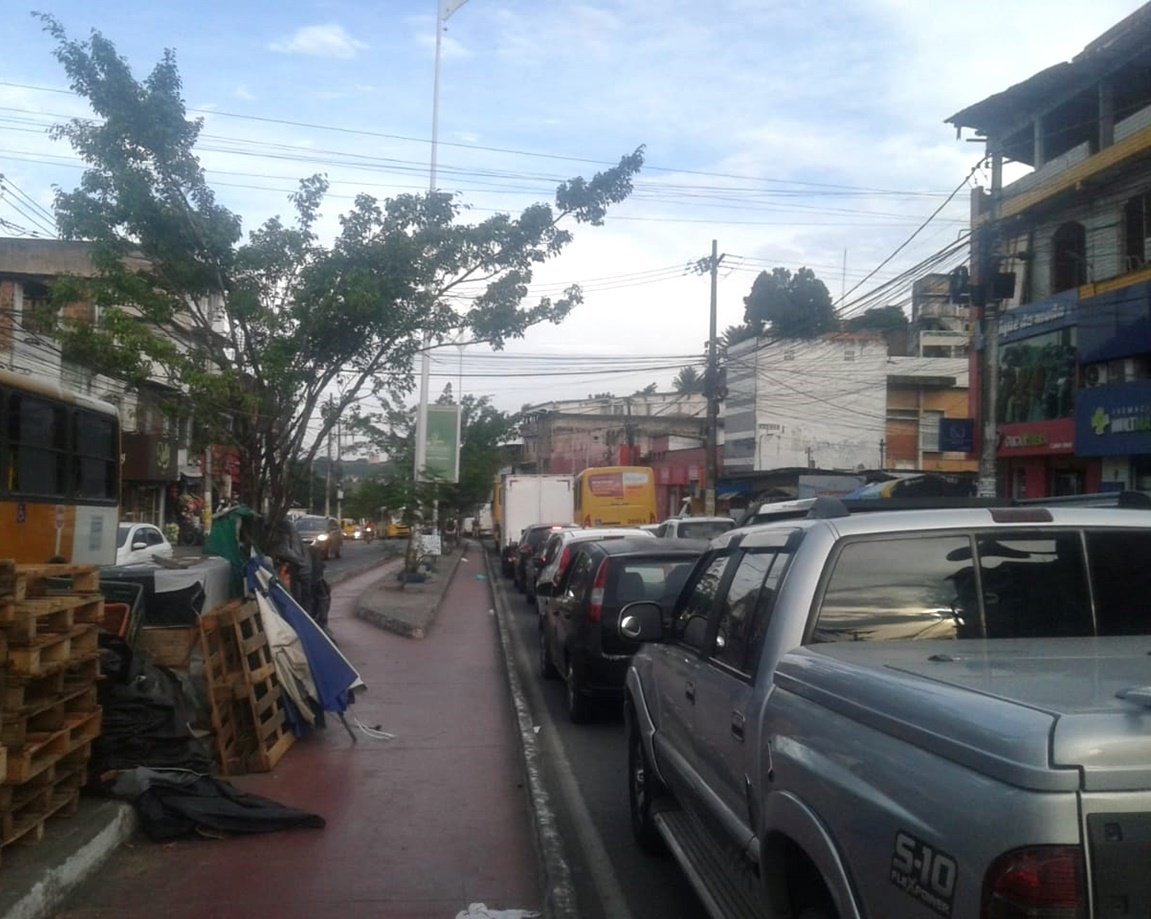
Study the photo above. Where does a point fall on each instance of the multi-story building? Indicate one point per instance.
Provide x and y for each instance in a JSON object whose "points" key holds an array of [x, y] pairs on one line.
{"points": [[663, 430], [843, 402], [161, 477], [1073, 374]]}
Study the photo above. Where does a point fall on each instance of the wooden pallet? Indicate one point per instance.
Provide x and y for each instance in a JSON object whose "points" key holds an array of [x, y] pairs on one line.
{"points": [[19, 581], [43, 750], [53, 651], [31, 805], [47, 716], [20, 693], [23, 621], [248, 721]]}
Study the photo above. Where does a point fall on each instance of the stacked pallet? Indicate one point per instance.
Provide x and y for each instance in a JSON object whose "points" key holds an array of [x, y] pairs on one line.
{"points": [[248, 722], [49, 713]]}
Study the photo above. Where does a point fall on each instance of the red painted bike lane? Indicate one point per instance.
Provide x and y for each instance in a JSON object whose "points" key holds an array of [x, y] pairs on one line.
{"points": [[422, 825]]}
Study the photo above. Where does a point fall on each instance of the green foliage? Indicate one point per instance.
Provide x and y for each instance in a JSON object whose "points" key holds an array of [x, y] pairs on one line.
{"points": [[793, 306], [878, 319], [689, 380], [483, 429], [258, 333]]}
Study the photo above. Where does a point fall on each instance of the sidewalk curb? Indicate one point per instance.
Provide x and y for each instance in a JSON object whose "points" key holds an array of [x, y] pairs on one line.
{"points": [[559, 889]]}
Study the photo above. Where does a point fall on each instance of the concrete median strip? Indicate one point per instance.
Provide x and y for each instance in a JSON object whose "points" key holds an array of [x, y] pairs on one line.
{"points": [[408, 609]]}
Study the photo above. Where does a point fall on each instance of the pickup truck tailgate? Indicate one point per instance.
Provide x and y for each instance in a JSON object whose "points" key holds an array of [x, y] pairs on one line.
{"points": [[1038, 714]]}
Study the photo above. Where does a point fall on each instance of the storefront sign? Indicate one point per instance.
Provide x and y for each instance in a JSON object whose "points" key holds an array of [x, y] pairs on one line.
{"points": [[1114, 420], [1035, 318], [1116, 324], [1038, 438], [956, 435]]}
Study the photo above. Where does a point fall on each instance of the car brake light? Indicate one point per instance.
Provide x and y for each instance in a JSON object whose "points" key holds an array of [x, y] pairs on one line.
{"points": [[595, 607], [562, 566], [1041, 882]]}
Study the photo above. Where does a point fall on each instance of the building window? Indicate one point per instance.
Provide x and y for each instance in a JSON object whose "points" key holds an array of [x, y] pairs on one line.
{"points": [[1069, 258], [1137, 232], [929, 431]]}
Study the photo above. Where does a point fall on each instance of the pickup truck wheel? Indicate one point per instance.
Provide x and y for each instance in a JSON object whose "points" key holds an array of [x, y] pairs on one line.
{"points": [[547, 665], [579, 705], [642, 787]]}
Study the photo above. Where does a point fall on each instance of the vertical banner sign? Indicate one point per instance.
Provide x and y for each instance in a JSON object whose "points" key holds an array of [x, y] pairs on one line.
{"points": [[442, 450]]}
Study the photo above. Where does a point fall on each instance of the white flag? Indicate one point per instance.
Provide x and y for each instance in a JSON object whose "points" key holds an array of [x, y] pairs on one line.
{"points": [[447, 7]]}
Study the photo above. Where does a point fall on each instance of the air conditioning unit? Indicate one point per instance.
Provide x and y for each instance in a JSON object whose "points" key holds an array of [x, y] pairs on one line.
{"points": [[1095, 375]]}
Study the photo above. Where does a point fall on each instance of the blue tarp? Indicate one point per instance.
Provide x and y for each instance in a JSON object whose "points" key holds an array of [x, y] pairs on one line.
{"points": [[334, 677]]}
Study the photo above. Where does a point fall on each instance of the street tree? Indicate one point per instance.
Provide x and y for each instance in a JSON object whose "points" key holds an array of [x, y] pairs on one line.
{"points": [[257, 333], [688, 380], [878, 319], [483, 429], [789, 305]]}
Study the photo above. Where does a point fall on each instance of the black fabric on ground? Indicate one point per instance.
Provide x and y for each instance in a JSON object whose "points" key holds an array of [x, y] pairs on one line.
{"points": [[178, 807]]}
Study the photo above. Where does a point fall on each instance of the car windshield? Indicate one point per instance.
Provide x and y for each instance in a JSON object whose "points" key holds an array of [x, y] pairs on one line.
{"points": [[655, 579], [703, 529], [311, 525]]}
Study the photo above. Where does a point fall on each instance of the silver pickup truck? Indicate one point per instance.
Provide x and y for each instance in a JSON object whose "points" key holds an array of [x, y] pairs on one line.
{"points": [[904, 714]]}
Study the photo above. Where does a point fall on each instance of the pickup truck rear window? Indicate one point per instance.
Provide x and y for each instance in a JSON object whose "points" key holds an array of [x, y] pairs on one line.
{"points": [[1003, 584]]}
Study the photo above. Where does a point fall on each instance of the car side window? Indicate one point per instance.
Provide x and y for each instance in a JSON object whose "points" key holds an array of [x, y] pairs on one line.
{"points": [[155, 537], [692, 615], [579, 575], [746, 609]]}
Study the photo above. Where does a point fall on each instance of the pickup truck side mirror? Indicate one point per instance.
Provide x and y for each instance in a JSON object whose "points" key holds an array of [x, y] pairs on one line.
{"points": [[642, 621]]}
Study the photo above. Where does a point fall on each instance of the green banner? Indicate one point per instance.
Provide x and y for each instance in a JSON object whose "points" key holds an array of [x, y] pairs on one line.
{"points": [[442, 457]]}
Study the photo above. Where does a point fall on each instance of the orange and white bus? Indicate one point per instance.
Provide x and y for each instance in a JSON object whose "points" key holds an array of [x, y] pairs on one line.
{"points": [[615, 496], [60, 483]]}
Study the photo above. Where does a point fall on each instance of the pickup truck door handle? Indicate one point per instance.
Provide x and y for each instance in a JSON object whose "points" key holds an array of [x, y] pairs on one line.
{"points": [[737, 722], [689, 691]]}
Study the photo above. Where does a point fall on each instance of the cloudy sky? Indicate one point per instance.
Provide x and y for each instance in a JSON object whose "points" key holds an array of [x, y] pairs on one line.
{"points": [[793, 133]]}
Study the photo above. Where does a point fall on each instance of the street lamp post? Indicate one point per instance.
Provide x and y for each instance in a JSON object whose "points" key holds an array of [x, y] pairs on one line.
{"points": [[444, 9]]}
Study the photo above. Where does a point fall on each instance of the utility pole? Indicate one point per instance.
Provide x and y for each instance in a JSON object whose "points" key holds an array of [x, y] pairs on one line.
{"points": [[984, 271], [712, 388], [328, 471]]}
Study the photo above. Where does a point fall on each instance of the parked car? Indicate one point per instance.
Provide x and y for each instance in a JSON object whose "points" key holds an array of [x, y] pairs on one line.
{"points": [[579, 639], [531, 542], [694, 527], [557, 552], [136, 543], [322, 534]]}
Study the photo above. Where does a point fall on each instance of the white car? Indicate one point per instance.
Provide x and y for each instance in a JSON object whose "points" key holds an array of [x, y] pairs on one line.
{"points": [[136, 543]]}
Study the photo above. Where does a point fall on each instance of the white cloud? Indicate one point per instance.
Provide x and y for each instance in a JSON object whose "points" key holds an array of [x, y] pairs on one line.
{"points": [[320, 41], [242, 92]]}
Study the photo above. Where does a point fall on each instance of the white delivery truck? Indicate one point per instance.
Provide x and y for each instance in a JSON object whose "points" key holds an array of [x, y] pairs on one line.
{"points": [[482, 527], [529, 499]]}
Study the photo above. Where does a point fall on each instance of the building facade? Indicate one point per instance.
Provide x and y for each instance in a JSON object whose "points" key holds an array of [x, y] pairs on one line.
{"points": [[162, 478], [1073, 371], [842, 403]]}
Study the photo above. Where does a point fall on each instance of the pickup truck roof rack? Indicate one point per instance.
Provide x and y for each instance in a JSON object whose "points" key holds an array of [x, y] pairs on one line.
{"points": [[825, 508]]}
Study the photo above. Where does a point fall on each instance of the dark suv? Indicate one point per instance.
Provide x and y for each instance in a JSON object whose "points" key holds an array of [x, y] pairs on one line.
{"points": [[531, 542], [579, 639]]}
